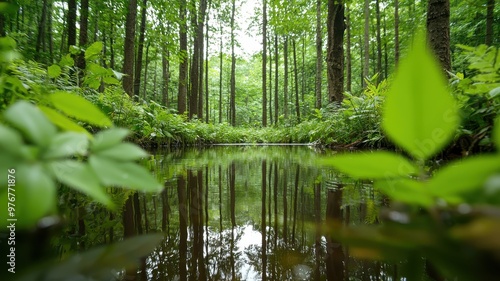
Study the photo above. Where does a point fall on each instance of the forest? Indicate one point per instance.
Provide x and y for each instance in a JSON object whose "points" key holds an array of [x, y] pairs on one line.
{"points": [[354, 139]]}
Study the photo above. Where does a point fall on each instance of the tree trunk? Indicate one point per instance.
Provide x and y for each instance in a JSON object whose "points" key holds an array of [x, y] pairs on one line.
{"points": [[438, 29], [335, 57], [276, 81], [396, 31], [366, 65], [490, 8], [296, 81], [129, 49], [348, 51], [71, 21], [207, 105], [145, 82], [264, 63], [83, 39], [140, 48], [379, 43], [165, 65], [319, 55], [233, 70], [285, 78], [40, 40], [183, 65], [220, 70]]}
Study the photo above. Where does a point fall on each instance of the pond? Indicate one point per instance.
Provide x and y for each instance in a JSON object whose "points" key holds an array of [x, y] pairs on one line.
{"points": [[228, 213]]}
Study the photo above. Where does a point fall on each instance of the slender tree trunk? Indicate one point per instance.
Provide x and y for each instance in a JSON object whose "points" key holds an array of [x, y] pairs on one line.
{"points": [[233, 69], [271, 114], [335, 57], [201, 22], [83, 39], [264, 63], [128, 56], [276, 81], [285, 78], [438, 29], [396, 31], [319, 55], [50, 35], [490, 8], [165, 65], [379, 43], [386, 59], [348, 51], [220, 70], [140, 48], [366, 65], [145, 82], [207, 105], [296, 80], [183, 65], [71, 23], [40, 40]]}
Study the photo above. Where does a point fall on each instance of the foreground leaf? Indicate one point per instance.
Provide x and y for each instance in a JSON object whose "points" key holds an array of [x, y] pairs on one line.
{"points": [[108, 138], [420, 115], [67, 144], [129, 175], [375, 165], [407, 191], [62, 121], [124, 152], [80, 108]]}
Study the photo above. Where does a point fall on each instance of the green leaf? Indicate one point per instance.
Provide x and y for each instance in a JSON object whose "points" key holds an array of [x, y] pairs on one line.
{"points": [[67, 144], [62, 121], [407, 191], [80, 108], [10, 140], [82, 178], [123, 152], [496, 134], [74, 50], [420, 115], [129, 175], [93, 50], [67, 60], [54, 71], [31, 122], [467, 175], [35, 194], [374, 165], [495, 92], [108, 138]]}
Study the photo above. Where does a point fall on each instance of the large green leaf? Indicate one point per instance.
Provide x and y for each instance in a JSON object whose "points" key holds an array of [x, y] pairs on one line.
{"points": [[67, 144], [406, 190], [129, 175], [124, 152], [374, 165], [420, 115], [93, 50], [108, 138], [62, 121], [80, 108], [80, 177], [35, 194], [31, 121], [54, 71], [496, 133], [100, 263], [10, 141], [466, 175]]}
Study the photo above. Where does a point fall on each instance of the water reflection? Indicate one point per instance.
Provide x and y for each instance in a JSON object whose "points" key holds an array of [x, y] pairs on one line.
{"points": [[252, 213]]}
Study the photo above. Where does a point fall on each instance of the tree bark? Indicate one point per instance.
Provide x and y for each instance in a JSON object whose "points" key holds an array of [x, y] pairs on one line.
{"points": [[233, 70], [438, 30], [348, 51], [379, 43], [276, 80], [264, 63], [129, 49], [396, 31], [366, 65], [319, 55], [335, 57], [71, 21], [183, 65], [296, 81], [165, 62], [140, 49], [490, 8], [285, 78]]}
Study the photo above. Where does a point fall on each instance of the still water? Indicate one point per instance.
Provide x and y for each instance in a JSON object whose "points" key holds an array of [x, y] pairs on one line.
{"points": [[255, 213]]}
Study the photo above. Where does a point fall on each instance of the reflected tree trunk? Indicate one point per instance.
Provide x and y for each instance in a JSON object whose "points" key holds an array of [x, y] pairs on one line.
{"points": [[263, 219], [232, 180], [285, 206], [181, 194], [317, 242], [295, 206], [335, 254]]}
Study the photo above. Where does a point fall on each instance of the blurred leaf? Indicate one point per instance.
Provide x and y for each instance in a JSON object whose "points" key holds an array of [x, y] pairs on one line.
{"points": [[466, 175], [54, 71], [108, 138], [496, 133], [93, 50], [66, 60], [82, 178], [100, 263], [374, 165], [420, 115], [67, 144], [123, 152], [79, 108], [35, 194], [31, 121], [74, 50], [495, 92], [62, 121], [407, 191], [10, 140], [129, 175]]}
